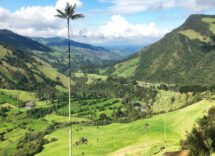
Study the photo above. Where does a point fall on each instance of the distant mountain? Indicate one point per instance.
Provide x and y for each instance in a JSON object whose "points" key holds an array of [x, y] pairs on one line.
{"points": [[184, 56], [22, 42], [54, 51], [125, 50], [84, 56], [60, 41]]}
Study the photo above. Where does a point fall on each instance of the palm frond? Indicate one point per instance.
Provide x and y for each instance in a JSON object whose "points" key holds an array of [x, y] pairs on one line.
{"points": [[69, 12], [74, 6], [61, 14], [70, 9], [77, 16], [67, 9]]}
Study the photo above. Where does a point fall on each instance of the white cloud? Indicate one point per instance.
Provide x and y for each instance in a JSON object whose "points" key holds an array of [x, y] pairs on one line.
{"points": [[118, 29], [134, 6], [36, 20], [41, 21], [60, 4]]}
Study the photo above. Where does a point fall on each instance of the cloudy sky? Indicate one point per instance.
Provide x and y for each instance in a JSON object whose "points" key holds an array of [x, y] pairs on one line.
{"points": [[106, 22]]}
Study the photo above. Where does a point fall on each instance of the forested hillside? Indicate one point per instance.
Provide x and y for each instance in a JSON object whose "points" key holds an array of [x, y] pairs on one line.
{"points": [[22, 70], [185, 55]]}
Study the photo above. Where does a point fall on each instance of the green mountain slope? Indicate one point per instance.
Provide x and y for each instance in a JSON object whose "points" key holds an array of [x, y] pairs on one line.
{"points": [[60, 41], [83, 55], [21, 42], [22, 70], [184, 56], [54, 51]]}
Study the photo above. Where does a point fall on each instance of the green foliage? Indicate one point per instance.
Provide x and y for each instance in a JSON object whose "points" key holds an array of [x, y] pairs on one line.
{"points": [[30, 144], [195, 89], [7, 99], [30, 71], [201, 140], [211, 21], [192, 34], [20, 95], [126, 68]]}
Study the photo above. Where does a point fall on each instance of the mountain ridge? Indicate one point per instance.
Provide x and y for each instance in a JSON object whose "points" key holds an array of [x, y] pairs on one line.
{"points": [[184, 56], [61, 41], [16, 40], [55, 51]]}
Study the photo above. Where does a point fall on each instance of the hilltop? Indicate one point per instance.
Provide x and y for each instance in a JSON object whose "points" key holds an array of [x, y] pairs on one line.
{"points": [[54, 51], [184, 56]]}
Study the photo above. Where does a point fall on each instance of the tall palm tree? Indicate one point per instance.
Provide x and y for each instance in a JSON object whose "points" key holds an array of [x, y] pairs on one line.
{"points": [[69, 14]]}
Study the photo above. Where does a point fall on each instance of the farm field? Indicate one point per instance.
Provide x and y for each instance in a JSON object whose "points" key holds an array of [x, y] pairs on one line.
{"points": [[130, 139]]}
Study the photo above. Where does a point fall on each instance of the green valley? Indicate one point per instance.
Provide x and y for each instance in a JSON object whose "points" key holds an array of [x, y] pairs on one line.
{"points": [[159, 100]]}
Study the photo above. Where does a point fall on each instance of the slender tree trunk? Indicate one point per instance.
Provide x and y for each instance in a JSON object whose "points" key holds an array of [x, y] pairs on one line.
{"points": [[69, 91], [165, 137], [146, 153]]}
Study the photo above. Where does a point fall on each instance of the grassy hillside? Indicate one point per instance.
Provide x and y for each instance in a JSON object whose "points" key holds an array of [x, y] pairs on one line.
{"points": [[20, 95], [130, 139], [126, 68], [29, 70], [183, 56], [84, 56], [90, 77], [55, 52], [97, 120]]}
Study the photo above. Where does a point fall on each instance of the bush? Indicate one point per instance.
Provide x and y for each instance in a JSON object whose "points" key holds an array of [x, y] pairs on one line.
{"points": [[201, 140]]}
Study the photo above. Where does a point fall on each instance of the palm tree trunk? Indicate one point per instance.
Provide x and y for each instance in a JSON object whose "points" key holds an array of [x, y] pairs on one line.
{"points": [[165, 137], [69, 91]]}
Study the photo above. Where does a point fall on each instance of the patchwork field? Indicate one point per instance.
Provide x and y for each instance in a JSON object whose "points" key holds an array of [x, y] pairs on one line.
{"points": [[130, 139]]}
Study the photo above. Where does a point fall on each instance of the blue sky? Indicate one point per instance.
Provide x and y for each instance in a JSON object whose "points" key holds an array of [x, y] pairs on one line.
{"points": [[106, 21]]}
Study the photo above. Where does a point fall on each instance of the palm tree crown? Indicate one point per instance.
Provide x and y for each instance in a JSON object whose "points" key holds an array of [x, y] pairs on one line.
{"points": [[69, 12]]}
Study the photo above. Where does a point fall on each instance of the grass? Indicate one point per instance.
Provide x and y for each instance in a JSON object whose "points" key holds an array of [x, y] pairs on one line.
{"points": [[91, 77], [52, 73], [7, 99], [20, 95], [86, 108], [58, 118], [10, 140], [168, 100], [37, 125], [6, 73], [61, 89], [127, 68], [193, 35], [129, 139], [3, 52], [211, 22]]}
